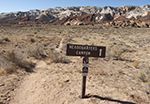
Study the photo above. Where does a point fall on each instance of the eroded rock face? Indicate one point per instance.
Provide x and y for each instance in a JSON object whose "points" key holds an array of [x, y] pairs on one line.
{"points": [[82, 15]]}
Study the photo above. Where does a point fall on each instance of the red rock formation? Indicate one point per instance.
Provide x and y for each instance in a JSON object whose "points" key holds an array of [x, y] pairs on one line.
{"points": [[132, 18], [87, 19], [19, 20], [121, 18]]}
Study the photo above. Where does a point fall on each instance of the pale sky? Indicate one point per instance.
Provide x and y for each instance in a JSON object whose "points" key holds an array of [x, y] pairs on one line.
{"points": [[26, 5]]}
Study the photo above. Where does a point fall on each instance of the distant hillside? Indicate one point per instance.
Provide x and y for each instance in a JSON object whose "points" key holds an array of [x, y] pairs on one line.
{"points": [[128, 15]]}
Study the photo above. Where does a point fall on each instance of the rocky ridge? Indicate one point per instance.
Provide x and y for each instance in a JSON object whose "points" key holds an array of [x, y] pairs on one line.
{"points": [[82, 15]]}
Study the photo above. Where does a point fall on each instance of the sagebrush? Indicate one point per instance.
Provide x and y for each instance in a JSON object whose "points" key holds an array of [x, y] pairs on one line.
{"points": [[57, 57], [13, 60]]}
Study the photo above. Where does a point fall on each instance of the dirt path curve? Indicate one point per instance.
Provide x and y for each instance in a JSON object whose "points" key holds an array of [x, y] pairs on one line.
{"points": [[60, 45], [47, 85], [32, 83], [60, 83]]}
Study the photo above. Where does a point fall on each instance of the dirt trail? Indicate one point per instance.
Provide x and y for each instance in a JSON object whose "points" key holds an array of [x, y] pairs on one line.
{"points": [[61, 84], [60, 45], [45, 86], [30, 85], [112, 80]]}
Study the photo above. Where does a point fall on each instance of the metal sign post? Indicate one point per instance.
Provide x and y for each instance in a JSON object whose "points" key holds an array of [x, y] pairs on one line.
{"points": [[86, 51], [84, 74], [83, 86]]}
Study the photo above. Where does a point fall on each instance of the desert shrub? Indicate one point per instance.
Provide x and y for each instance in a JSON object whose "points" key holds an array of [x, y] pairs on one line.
{"points": [[57, 57], [144, 74], [6, 39], [116, 50], [22, 62], [36, 50], [35, 32], [12, 60], [37, 36], [1, 41], [6, 66], [10, 56], [137, 98], [32, 40], [143, 77], [8, 70]]}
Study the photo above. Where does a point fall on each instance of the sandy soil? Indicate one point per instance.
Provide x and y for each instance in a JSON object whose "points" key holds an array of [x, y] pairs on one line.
{"points": [[61, 84], [111, 80]]}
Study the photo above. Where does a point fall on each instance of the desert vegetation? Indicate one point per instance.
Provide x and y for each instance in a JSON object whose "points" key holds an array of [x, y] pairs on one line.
{"points": [[125, 70]]}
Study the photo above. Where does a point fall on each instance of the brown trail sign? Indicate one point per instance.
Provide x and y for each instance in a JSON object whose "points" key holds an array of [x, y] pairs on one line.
{"points": [[86, 51]]}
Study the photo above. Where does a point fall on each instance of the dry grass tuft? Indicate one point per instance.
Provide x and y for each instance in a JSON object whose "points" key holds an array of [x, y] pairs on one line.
{"points": [[6, 66], [1, 41], [35, 32], [57, 57], [21, 61], [6, 39], [144, 75], [137, 98], [11, 61], [36, 50], [116, 50], [8, 70], [32, 40]]}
